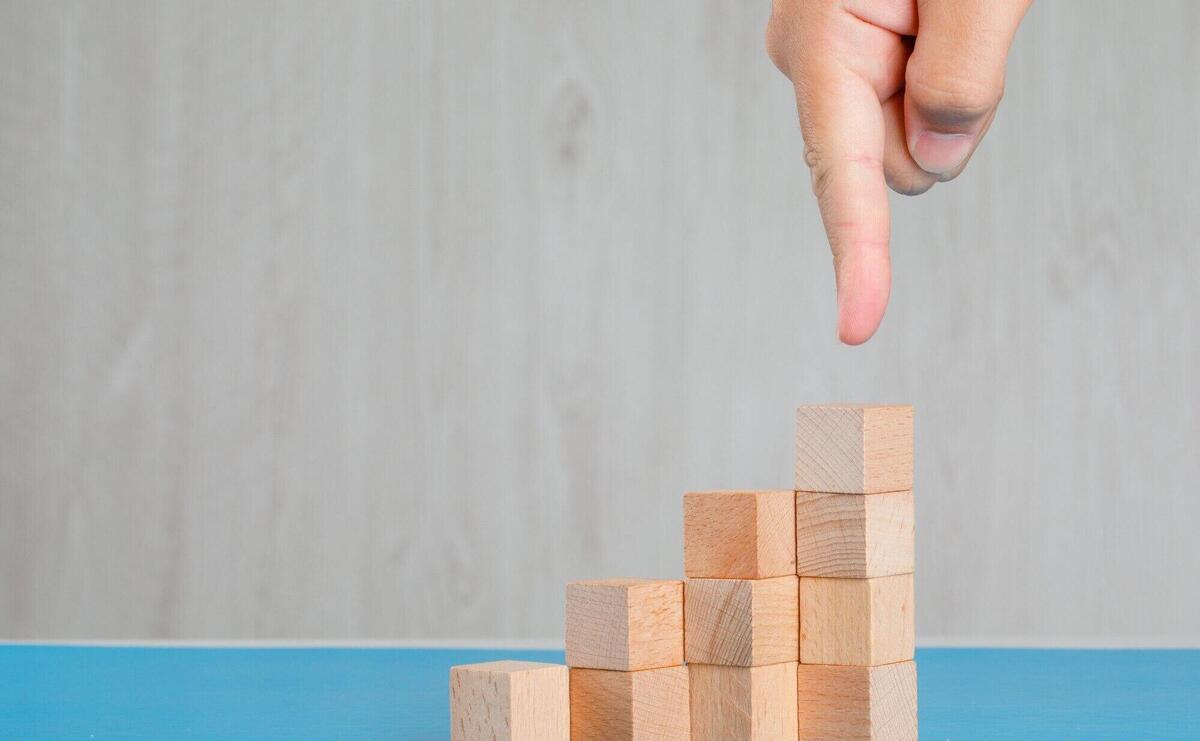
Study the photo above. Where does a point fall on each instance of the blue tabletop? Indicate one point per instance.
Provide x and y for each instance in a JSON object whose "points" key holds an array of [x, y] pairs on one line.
{"points": [[71, 692]]}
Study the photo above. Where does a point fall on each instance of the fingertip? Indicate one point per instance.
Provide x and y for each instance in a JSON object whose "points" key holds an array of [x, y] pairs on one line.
{"points": [[858, 322], [855, 333], [864, 286]]}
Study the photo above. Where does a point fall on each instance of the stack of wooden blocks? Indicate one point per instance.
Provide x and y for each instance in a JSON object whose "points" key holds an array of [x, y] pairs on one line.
{"points": [[854, 555], [798, 607]]}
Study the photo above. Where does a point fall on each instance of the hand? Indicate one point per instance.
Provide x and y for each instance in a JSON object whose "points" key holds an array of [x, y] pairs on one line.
{"points": [[889, 91]]}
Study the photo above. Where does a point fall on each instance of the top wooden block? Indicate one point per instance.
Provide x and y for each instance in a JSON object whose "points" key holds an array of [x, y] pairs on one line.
{"points": [[739, 534], [625, 624], [509, 701], [854, 448]]}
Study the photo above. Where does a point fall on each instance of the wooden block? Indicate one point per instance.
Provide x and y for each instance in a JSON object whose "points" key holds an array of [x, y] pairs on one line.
{"points": [[742, 622], [858, 702], [854, 535], [739, 534], [625, 624], [513, 700], [854, 449], [614, 706], [862, 622], [733, 702]]}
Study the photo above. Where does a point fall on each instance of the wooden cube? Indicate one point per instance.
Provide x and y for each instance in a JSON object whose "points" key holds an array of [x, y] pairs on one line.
{"points": [[742, 622], [858, 702], [854, 449], [625, 624], [861, 622], [854, 535], [614, 706], [733, 702], [513, 700], [739, 534]]}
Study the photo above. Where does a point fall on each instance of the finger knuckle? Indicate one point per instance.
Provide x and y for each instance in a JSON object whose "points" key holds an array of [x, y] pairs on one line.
{"points": [[820, 170], [826, 169], [776, 40], [907, 183], [955, 97]]}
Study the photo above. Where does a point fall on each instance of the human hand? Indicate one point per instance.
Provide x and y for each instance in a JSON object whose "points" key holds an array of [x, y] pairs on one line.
{"points": [[889, 91]]}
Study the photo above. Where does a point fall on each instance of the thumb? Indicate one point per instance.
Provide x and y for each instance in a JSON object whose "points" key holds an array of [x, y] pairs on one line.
{"points": [[955, 78]]}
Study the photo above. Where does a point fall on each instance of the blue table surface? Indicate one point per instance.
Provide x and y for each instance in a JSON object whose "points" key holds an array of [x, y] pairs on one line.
{"points": [[81, 692]]}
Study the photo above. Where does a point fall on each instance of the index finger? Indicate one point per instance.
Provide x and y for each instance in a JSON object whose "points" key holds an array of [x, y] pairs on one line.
{"points": [[843, 128]]}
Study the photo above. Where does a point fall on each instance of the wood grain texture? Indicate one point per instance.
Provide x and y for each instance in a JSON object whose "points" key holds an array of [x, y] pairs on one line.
{"points": [[625, 624], [860, 622], [386, 320], [739, 534], [635, 706], [509, 701], [875, 703], [742, 622], [854, 535], [854, 448], [733, 703]]}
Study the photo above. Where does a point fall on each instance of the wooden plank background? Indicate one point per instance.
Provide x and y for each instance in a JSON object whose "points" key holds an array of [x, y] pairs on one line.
{"points": [[385, 321]]}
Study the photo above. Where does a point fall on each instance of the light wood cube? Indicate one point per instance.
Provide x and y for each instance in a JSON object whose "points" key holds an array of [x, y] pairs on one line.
{"points": [[619, 706], [509, 700], [739, 534], [854, 535], [854, 449], [742, 622], [861, 622], [625, 624], [858, 702], [730, 703]]}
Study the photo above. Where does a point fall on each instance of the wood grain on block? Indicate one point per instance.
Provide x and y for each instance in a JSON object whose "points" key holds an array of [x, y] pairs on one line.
{"points": [[739, 534], [509, 700], [854, 448], [861, 622], [614, 706], [854, 535], [858, 702], [742, 622], [625, 624], [734, 702]]}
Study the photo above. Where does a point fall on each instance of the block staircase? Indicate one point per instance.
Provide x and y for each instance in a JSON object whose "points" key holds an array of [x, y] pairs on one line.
{"points": [[795, 620]]}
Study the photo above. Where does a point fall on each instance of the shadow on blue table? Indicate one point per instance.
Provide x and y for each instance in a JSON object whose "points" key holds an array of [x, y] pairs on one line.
{"points": [[52, 692]]}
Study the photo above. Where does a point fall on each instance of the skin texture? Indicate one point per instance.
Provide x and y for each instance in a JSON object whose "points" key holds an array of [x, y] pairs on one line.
{"points": [[891, 93]]}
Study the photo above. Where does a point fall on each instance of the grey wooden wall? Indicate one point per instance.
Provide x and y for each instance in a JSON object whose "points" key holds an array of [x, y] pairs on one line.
{"points": [[384, 322]]}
